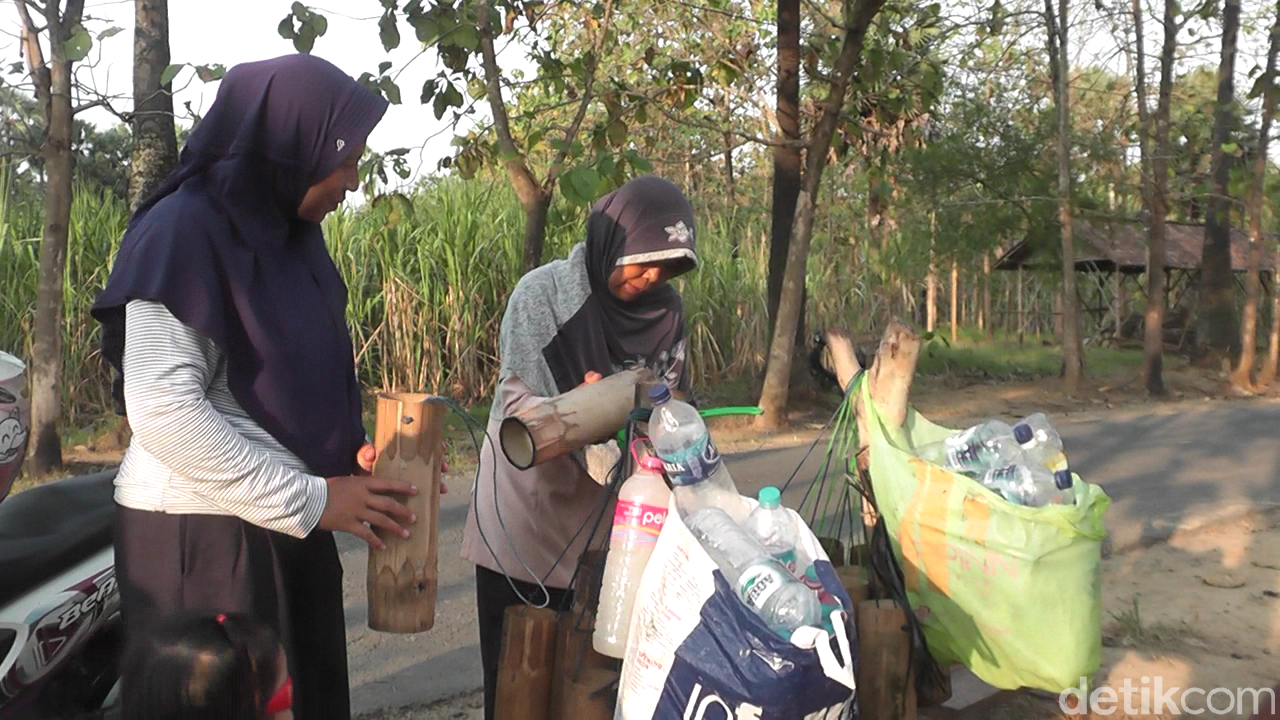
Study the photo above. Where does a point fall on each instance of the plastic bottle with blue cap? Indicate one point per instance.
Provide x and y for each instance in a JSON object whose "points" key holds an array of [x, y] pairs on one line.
{"points": [[698, 476]]}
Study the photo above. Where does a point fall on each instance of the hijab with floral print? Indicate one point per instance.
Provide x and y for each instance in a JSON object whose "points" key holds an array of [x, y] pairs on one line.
{"points": [[563, 321]]}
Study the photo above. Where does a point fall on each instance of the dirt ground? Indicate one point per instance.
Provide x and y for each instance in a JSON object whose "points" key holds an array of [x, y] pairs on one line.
{"points": [[1199, 612]]}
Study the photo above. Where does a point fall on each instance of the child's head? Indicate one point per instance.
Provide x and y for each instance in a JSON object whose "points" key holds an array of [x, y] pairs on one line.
{"points": [[195, 666]]}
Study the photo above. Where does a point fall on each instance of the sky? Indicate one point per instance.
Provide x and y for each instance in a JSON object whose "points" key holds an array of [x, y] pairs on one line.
{"points": [[236, 31]]}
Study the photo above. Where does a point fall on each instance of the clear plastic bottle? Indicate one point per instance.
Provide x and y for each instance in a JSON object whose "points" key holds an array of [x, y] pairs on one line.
{"points": [[1041, 442], [690, 459], [991, 444], [643, 500], [775, 528], [1031, 485], [762, 583]]}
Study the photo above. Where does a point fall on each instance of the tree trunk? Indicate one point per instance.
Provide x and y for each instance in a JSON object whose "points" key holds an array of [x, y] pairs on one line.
{"points": [[786, 158], [1022, 317], [46, 352], [155, 142], [1243, 376], [985, 321], [1218, 326], [535, 198], [1153, 334], [535, 227], [931, 288], [773, 395], [955, 302], [1072, 347], [1272, 364]]}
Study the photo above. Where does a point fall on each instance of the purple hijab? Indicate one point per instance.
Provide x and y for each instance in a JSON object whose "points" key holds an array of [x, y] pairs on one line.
{"points": [[220, 244], [563, 322]]}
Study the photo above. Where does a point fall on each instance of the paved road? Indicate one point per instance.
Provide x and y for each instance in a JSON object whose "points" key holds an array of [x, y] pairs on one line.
{"points": [[1159, 466]]}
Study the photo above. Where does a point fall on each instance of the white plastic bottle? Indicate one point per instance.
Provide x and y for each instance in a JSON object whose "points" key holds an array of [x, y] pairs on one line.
{"points": [[1031, 485], [975, 450], [691, 461], [1041, 442], [761, 582], [777, 531], [642, 509]]}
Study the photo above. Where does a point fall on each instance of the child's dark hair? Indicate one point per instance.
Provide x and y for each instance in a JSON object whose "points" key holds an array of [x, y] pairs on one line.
{"points": [[192, 666]]}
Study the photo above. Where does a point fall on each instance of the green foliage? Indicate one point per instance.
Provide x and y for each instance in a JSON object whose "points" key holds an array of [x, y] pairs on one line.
{"points": [[303, 25]]}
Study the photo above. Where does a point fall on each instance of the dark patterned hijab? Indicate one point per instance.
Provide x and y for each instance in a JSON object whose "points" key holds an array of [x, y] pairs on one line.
{"points": [[562, 320]]}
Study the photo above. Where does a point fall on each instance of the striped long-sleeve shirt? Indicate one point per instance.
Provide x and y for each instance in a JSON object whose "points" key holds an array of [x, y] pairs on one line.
{"points": [[194, 449]]}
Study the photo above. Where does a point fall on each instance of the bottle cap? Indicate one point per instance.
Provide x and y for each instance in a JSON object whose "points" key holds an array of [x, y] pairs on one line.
{"points": [[1063, 479], [770, 497], [1023, 433], [659, 394]]}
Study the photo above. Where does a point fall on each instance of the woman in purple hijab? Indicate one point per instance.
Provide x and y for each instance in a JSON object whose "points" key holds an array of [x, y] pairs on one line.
{"points": [[605, 308], [224, 319]]}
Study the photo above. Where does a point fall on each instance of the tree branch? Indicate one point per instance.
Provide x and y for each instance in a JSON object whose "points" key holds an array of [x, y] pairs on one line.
{"points": [[34, 54], [570, 133], [512, 157]]}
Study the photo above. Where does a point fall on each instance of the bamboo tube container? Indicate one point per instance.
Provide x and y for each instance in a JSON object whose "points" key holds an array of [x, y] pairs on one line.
{"points": [[402, 578], [526, 665], [886, 684], [854, 580], [575, 655], [586, 587], [589, 697], [567, 422]]}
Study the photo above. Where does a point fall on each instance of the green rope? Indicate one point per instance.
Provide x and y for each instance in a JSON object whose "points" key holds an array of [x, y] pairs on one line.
{"points": [[709, 413]]}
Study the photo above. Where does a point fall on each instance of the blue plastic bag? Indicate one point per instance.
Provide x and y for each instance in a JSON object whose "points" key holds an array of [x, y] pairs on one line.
{"points": [[697, 653]]}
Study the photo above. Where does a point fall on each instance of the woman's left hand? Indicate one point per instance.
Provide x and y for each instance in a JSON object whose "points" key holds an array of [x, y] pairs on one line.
{"points": [[368, 455]]}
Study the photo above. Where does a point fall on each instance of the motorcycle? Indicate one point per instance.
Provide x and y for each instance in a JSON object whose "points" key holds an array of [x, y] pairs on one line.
{"points": [[60, 627]]}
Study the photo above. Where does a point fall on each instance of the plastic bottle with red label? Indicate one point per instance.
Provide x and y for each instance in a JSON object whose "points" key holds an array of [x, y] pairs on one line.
{"points": [[642, 510]]}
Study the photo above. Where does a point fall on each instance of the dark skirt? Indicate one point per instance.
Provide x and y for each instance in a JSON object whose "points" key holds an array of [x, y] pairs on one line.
{"points": [[224, 564]]}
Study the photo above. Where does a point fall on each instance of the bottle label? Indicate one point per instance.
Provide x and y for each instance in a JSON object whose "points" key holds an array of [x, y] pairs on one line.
{"points": [[962, 452], [1003, 474], [693, 465], [758, 584], [637, 524]]}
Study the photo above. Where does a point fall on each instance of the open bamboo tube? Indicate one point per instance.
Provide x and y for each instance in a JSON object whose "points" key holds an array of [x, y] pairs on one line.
{"points": [[567, 422], [402, 579]]}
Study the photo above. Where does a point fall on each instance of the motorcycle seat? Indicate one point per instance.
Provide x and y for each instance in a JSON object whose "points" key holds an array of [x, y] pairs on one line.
{"points": [[49, 528]]}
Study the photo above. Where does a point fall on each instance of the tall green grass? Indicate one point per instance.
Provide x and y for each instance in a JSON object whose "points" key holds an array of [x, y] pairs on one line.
{"points": [[429, 280], [98, 221]]}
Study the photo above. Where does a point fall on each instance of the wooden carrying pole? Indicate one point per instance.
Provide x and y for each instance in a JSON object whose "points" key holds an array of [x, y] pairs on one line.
{"points": [[886, 646], [564, 423], [402, 578], [526, 664]]}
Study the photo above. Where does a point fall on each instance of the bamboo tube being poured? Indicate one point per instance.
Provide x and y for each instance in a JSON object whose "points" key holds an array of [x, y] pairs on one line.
{"points": [[559, 425], [403, 578]]}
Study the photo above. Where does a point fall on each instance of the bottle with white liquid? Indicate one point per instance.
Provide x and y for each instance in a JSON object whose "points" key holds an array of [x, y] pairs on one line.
{"points": [[642, 509]]}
